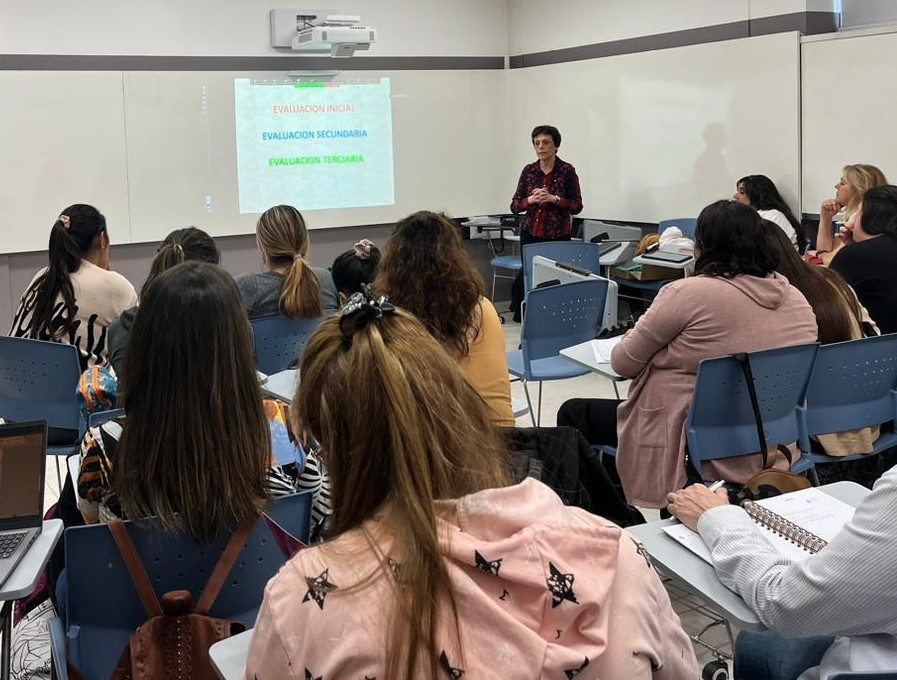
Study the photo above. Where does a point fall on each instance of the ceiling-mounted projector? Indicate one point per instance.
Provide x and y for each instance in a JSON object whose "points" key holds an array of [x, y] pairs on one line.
{"points": [[320, 32]]}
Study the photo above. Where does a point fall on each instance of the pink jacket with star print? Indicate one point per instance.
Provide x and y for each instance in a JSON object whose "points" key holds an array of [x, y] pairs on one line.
{"points": [[543, 591]]}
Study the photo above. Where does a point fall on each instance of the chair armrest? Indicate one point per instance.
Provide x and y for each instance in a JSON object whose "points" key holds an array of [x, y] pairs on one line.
{"points": [[57, 648]]}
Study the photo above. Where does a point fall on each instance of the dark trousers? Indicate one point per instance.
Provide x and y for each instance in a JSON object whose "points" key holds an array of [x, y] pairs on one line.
{"points": [[517, 291]]}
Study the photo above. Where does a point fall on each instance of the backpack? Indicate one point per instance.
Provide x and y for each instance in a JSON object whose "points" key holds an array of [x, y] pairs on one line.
{"points": [[173, 644]]}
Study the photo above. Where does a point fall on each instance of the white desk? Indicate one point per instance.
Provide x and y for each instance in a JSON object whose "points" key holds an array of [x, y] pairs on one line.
{"points": [[693, 574], [23, 580], [281, 385], [229, 656], [643, 259], [584, 355]]}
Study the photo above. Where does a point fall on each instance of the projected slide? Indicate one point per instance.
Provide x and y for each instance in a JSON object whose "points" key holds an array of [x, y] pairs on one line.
{"points": [[313, 145]]}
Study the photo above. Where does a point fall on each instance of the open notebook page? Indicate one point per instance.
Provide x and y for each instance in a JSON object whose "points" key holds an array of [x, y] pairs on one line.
{"points": [[810, 509], [603, 347]]}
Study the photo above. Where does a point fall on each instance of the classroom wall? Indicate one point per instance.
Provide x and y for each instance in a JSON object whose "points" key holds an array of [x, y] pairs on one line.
{"points": [[240, 27]]}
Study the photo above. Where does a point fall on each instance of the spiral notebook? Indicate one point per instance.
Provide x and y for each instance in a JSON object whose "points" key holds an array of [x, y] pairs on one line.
{"points": [[797, 524]]}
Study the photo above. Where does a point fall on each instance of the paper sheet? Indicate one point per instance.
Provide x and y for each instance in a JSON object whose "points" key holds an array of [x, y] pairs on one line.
{"points": [[602, 348]]}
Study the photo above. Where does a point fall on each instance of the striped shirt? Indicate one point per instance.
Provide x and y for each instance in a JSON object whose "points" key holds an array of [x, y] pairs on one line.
{"points": [[848, 590]]}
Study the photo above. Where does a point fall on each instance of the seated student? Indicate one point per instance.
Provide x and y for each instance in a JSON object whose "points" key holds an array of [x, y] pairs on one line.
{"points": [[290, 286], [194, 413], [179, 246], [867, 260], [855, 181], [436, 568], [76, 297], [839, 317], [846, 593], [759, 192], [354, 268], [734, 303], [426, 270]]}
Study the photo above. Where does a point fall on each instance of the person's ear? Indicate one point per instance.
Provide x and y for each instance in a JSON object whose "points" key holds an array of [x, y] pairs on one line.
{"points": [[343, 298]]}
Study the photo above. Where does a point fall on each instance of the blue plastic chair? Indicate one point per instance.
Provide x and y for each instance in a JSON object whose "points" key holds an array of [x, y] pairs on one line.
{"points": [[280, 342], [510, 263], [686, 226], [555, 318], [720, 421], [39, 381], [102, 606], [583, 255], [853, 385]]}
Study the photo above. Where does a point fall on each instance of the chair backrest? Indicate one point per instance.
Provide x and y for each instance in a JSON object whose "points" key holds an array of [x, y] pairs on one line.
{"points": [[853, 385], [583, 255], [100, 417], [721, 422], [686, 226], [280, 342], [561, 316], [39, 381], [102, 606]]}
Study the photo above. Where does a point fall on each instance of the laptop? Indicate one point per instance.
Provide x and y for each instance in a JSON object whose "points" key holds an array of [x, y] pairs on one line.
{"points": [[23, 456]]}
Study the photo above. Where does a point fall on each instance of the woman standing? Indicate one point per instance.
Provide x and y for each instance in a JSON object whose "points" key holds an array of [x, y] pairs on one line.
{"points": [[548, 195], [426, 270], [76, 297], [289, 286]]}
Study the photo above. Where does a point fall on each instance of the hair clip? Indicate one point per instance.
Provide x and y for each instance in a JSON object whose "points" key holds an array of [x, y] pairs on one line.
{"points": [[360, 310], [66, 223], [363, 249]]}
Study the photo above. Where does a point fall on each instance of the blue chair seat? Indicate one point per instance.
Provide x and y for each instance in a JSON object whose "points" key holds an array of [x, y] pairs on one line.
{"points": [[511, 262], [549, 368], [887, 440]]}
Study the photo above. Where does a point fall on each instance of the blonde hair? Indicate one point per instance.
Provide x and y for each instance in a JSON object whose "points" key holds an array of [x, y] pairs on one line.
{"points": [[861, 178], [282, 238], [402, 428]]}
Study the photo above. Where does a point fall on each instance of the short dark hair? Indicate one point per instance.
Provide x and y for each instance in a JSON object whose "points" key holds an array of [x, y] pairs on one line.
{"points": [[729, 236], [549, 130], [880, 210], [764, 195], [350, 270], [179, 246]]}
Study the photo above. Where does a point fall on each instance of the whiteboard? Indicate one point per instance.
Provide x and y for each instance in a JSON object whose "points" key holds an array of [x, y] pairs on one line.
{"points": [[155, 151], [661, 134], [849, 91], [182, 150], [61, 142]]}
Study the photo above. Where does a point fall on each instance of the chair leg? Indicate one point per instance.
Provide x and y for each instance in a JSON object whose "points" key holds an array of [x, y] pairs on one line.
{"points": [[532, 414], [58, 476], [813, 478], [493, 287], [539, 417]]}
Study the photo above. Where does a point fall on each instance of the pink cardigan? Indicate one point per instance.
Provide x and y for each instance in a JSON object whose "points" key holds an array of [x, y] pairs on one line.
{"points": [[693, 319], [542, 590]]}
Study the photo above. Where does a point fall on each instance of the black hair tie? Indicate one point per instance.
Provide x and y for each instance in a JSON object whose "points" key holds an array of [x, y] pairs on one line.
{"points": [[360, 310]]}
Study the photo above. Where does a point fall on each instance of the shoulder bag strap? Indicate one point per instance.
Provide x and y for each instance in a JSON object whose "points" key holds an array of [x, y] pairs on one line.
{"points": [[135, 567], [223, 567], [745, 362]]}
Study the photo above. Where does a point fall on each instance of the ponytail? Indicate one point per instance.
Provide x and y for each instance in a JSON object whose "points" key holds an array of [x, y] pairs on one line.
{"points": [[71, 238], [300, 297], [168, 255]]}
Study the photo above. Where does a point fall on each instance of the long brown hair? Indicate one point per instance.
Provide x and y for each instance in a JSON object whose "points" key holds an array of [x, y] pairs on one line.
{"points": [[282, 238], [402, 428], [196, 444], [838, 315], [426, 270]]}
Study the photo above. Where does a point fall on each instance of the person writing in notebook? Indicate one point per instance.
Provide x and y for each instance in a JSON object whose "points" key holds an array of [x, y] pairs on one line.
{"points": [[834, 611]]}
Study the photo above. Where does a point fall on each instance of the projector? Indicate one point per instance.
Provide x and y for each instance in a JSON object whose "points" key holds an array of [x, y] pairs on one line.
{"points": [[339, 40]]}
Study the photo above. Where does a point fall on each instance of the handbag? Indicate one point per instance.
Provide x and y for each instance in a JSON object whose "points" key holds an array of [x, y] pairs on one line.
{"points": [[769, 481]]}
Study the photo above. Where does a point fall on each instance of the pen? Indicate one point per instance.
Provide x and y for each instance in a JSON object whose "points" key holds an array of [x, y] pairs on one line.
{"points": [[716, 486]]}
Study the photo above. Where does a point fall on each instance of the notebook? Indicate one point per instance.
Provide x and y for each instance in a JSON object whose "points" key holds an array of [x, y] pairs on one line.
{"points": [[797, 524], [603, 347], [23, 453]]}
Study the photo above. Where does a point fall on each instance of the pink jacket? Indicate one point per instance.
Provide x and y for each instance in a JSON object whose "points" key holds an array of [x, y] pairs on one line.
{"points": [[543, 591], [693, 319]]}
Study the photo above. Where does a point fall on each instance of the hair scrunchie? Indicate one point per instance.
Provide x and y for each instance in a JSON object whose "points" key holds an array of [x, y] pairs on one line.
{"points": [[363, 249], [66, 223]]}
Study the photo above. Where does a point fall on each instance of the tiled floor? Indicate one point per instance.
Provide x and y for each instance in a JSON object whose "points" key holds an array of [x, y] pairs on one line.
{"points": [[696, 619]]}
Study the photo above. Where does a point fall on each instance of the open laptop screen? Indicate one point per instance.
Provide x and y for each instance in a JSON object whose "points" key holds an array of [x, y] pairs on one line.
{"points": [[23, 448]]}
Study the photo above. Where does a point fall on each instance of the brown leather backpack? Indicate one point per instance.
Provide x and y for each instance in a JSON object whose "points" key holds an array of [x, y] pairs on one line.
{"points": [[174, 642]]}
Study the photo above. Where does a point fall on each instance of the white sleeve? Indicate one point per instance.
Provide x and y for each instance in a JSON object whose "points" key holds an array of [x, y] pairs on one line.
{"points": [[848, 588]]}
